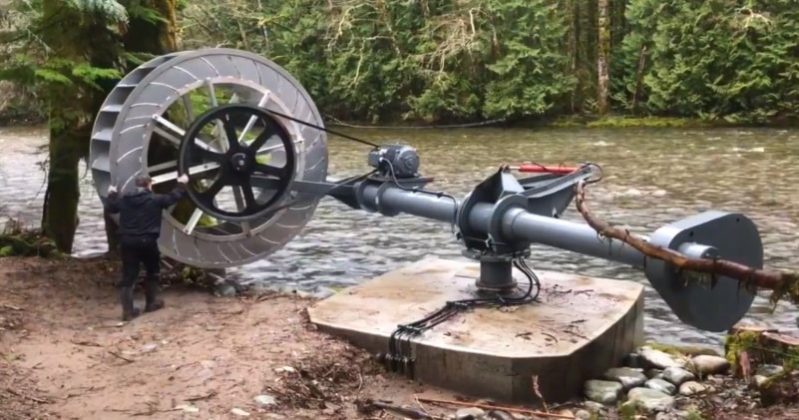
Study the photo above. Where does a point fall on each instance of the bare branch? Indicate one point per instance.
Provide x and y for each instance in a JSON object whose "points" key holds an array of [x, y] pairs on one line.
{"points": [[781, 283]]}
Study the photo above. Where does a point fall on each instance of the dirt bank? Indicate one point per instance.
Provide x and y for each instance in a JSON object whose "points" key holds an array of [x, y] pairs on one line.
{"points": [[66, 355]]}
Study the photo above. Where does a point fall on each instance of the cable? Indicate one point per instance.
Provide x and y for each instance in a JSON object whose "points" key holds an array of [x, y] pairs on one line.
{"points": [[438, 194], [327, 130], [339, 123], [399, 357]]}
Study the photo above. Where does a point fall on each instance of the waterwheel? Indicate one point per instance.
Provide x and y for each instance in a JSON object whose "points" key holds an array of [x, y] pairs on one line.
{"points": [[239, 209]]}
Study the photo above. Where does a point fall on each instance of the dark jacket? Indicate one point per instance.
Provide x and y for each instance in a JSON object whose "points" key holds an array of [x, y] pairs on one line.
{"points": [[140, 211]]}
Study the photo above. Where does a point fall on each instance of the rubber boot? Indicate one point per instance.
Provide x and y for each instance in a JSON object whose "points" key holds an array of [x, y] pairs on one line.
{"points": [[151, 295], [129, 311]]}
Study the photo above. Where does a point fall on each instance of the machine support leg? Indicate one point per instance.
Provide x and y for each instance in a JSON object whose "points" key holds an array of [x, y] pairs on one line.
{"points": [[496, 274]]}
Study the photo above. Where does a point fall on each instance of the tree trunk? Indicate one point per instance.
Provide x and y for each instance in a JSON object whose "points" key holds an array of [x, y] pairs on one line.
{"points": [[63, 189], [154, 37], [69, 122], [639, 78], [603, 55], [573, 23]]}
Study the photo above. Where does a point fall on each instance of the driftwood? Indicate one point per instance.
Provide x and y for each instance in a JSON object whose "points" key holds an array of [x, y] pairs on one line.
{"points": [[368, 406], [494, 407], [781, 283]]}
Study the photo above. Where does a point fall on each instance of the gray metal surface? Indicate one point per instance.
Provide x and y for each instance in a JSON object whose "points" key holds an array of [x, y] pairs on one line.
{"points": [[712, 307], [144, 118], [576, 237], [708, 305]]}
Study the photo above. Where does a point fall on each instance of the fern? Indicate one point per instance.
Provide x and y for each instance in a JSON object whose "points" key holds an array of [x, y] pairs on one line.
{"points": [[52, 76], [91, 75], [136, 10]]}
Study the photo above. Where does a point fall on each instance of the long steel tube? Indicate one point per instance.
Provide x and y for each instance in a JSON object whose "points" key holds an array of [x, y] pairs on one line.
{"points": [[517, 224], [577, 237], [393, 199]]}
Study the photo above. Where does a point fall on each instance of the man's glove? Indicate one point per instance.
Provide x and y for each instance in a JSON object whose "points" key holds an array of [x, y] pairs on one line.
{"points": [[183, 179], [112, 189]]}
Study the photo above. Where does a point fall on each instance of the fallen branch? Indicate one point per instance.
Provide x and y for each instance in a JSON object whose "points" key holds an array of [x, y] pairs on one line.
{"points": [[367, 406], [201, 397], [119, 356], [781, 283], [495, 407], [34, 399], [85, 343]]}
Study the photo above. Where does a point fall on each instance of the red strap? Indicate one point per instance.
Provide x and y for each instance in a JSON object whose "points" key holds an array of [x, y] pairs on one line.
{"points": [[533, 168]]}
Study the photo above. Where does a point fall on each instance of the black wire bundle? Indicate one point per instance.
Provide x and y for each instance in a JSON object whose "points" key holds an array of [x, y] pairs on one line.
{"points": [[399, 357]]}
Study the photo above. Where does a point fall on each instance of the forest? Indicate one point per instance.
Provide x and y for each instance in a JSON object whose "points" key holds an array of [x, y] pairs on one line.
{"points": [[412, 62]]}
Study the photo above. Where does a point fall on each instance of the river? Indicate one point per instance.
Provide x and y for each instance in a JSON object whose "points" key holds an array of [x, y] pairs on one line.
{"points": [[652, 177]]}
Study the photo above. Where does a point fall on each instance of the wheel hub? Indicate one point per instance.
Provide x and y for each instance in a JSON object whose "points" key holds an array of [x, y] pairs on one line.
{"points": [[244, 133], [242, 163]]}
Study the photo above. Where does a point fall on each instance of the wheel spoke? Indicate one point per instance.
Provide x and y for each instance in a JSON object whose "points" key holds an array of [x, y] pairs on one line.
{"points": [[249, 196], [264, 182], [209, 194], [259, 141], [188, 107], [230, 133], [172, 164], [253, 119], [238, 195], [270, 170], [207, 155], [193, 220], [214, 104], [175, 134], [194, 170]]}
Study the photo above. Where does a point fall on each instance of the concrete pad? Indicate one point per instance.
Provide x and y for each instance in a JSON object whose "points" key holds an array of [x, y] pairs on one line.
{"points": [[579, 327]]}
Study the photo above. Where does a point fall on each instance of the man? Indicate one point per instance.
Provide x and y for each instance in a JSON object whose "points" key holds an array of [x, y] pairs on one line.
{"points": [[139, 227]]}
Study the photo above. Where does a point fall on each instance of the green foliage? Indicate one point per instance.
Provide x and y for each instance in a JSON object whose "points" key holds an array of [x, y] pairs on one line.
{"points": [[53, 55], [729, 60], [107, 10], [378, 60], [720, 59], [18, 240], [652, 122]]}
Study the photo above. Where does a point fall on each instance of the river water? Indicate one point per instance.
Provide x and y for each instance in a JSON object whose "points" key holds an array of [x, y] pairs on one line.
{"points": [[652, 177]]}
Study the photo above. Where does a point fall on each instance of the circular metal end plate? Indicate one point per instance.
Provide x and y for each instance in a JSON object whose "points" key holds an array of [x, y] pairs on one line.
{"points": [[143, 120], [702, 301]]}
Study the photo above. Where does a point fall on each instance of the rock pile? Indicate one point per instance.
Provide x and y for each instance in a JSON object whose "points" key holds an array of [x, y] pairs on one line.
{"points": [[653, 378]]}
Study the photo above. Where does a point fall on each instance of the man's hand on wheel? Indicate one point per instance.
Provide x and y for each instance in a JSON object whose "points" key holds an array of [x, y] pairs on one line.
{"points": [[183, 179], [112, 189]]}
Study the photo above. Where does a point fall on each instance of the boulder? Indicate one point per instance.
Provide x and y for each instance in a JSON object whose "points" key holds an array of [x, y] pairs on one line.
{"points": [[659, 359], [634, 360], [706, 364], [661, 385], [265, 400], [471, 413], [500, 415], [605, 392], [692, 388], [650, 399], [677, 375], [628, 377], [769, 370], [593, 406]]}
